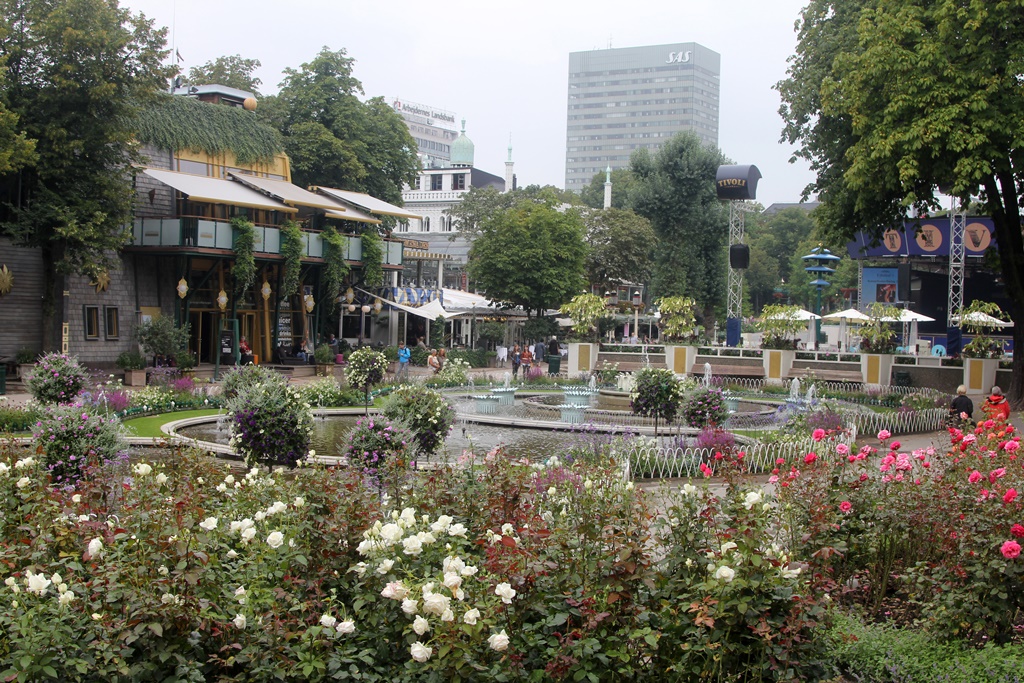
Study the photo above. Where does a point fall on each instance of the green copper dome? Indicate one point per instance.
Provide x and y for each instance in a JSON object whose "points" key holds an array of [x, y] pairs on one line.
{"points": [[462, 149]]}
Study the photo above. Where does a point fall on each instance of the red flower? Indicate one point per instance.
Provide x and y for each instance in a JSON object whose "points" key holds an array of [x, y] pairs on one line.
{"points": [[845, 506], [894, 446], [705, 470], [1010, 495], [818, 434], [1010, 550], [1017, 530], [810, 457], [996, 474]]}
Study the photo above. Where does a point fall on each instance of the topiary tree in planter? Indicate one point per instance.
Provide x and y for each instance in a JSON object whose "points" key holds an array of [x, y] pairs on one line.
{"points": [[366, 368], [426, 413], [980, 318], [678, 318], [878, 335], [162, 337], [56, 378], [270, 422], [656, 393], [585, 310], [779, 326]]}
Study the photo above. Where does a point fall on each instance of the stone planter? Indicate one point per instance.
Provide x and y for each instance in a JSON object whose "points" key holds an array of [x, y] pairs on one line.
{"points": [[24, 370], [777, 364], [980, 374], [486, 405], [135, 378], [876, 368], [572, 414], [582, 358], [680, 359], [325, 369]]}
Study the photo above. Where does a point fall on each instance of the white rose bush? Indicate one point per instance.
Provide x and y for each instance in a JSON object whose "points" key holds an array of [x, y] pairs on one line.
{"points": [[492, 569]]}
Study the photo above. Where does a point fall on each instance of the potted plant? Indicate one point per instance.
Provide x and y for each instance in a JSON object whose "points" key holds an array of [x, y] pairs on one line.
{"points": [[26, 359], [982, 354], [134, 365], [878, 343], [779, 326], [679, 324], [162, 338], [585, 310], [324, 356], [186, 362]]}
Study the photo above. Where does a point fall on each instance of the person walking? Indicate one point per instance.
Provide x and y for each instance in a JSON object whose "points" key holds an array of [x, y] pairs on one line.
{"points": [[515, 360], [526, 360], [404, 354], [996, 405], [962, 408], [538, 352]]}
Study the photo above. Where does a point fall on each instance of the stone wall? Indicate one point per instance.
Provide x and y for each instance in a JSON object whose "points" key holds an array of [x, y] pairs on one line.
{"points": [[21, 313]]}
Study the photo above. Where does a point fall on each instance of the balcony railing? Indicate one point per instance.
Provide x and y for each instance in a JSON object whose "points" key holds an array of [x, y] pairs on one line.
{"points": [[212, 234]]}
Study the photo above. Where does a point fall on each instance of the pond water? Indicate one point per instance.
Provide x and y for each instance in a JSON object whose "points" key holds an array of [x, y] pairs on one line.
{"points": [[329, 432]]}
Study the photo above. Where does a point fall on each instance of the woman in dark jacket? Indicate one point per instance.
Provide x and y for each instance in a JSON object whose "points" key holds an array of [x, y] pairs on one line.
{"points": [[962, 408]]}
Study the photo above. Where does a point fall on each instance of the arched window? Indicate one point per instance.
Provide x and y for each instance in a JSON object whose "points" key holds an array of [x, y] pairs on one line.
{"points": [[426, 224]]}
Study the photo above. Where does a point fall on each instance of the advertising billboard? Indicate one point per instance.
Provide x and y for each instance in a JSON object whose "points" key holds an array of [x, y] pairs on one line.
{"points": [[881, 284], [930, 238]]}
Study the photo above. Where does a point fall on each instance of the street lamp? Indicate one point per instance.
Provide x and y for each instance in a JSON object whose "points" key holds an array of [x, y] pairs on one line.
{"points": [[362, 321], [820, 260]]}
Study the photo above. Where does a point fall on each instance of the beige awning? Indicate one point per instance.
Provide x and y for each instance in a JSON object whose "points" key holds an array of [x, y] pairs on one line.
{"points": [[418, 255], [352, 214], [216, 191], [293, 195], [365, 202]]}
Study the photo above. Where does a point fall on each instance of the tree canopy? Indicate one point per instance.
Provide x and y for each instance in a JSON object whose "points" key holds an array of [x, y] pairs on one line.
{"points": [[233, 71], [621, 247], [78, 73], [530, 255], [335, 139], [675, 190], [622, 183], [889, 99]]}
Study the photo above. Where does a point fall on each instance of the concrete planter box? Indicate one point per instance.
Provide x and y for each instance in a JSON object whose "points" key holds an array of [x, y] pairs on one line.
{"points": [[680, 359], [980, 374], [582, 358], [876, 368], [325, 370], [777, 364]]}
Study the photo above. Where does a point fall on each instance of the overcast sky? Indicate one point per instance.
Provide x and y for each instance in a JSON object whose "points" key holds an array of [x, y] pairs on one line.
{"points": [[504, 66]]}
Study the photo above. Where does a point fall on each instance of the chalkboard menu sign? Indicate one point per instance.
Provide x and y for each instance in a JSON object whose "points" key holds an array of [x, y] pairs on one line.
{"points": [[227, 347]]}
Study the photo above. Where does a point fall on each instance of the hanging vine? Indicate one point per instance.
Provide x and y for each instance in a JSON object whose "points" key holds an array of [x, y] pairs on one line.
{"points": [[336, 269], [373, 259], [291, 250], [245, 260]]}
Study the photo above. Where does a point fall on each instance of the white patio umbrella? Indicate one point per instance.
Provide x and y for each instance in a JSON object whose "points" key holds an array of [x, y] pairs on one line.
{"points": [[908, 316], [983, 320], [799, 314], [850, 315]]}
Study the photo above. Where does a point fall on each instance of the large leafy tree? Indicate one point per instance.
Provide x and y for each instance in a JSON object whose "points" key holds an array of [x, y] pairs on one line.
{"points": [[336, 139], [889, 99], [675, 190], [78, 72], [529, 255], [621, 247], [233, 71], [481, 203]]}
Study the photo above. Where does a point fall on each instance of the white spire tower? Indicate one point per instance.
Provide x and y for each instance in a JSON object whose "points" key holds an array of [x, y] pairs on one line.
{"points": [[608, 187], [509, 174]]}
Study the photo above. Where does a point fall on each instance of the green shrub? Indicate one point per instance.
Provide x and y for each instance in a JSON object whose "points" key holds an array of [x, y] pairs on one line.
{"points": [[25, 355], [705, 406], [322, 392], [477, 358], [17, 418], [324, 355], [882, 654], [130, 360], [454, 373], [656, 393], [245, 376], [426, 413], [57, 378]]}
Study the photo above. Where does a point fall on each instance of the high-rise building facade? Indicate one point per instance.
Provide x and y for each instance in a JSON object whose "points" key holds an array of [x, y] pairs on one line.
{"points": [[626, 98], [433, 130]]}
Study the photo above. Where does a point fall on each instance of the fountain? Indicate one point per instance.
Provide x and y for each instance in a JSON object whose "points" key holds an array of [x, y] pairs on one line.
{"points": [[794, 391], [810, 394], [506, 394], [707, 375]]}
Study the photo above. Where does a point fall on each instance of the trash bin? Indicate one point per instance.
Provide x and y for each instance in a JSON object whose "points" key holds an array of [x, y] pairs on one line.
{"points": [[3, 380], [554, 364]]}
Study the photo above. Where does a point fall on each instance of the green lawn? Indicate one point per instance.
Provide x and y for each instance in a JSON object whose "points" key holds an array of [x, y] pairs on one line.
{"points": [[150, 425]]}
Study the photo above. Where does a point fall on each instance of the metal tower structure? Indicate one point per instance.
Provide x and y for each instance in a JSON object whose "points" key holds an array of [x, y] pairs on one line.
{"points": [[957, 223], [734, 302], [736, 184]]}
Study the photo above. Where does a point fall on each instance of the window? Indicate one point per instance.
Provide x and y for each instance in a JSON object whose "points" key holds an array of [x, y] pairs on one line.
{"points": [[112, 326], [91, 315], [426, 223], [459, 181], [435, 182], [416, 183]]}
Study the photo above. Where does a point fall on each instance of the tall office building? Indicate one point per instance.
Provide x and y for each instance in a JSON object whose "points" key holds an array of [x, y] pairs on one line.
{"points": [[626, 98], [433, 130]]}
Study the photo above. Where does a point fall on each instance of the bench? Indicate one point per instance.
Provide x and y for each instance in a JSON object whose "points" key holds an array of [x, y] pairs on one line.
{"points": [[730, 370], [854, 376]]}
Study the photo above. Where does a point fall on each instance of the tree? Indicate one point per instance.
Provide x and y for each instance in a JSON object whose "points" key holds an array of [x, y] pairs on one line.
{"points": [[480, 203], [584, 310], [233, 71], [335, 139], [623, 181], [78, 73], [16, 149], [890, 100], [675, 190], [529, 255], [621, 247]]}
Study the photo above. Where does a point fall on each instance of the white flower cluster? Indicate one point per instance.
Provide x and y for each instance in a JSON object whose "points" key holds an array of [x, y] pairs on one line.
{"points": [[38, 584]]}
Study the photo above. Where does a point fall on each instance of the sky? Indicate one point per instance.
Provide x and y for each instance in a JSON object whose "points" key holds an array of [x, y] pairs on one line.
{"points": [[504, 66]]}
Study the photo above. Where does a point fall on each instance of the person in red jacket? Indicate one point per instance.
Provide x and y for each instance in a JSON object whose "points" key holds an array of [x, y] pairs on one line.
{"points": [[996, 406]]}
